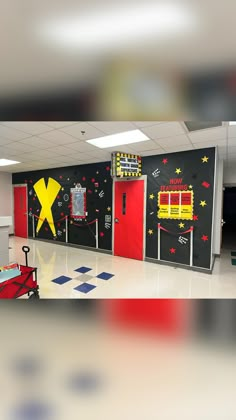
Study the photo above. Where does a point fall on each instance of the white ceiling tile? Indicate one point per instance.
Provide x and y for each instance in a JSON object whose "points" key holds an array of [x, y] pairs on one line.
{"points": [[113, 127], [59, 124], [61, 150], [152, 152], [37, 142], [90, 131], [208, 135], [82, 146], [174, 149], [141, 124], [29, 127], [159, 131], [213, 143], [144, 146], [17, 145], [11, 133], [173, 141], [58, 137], [4, 142], [122, 149]]}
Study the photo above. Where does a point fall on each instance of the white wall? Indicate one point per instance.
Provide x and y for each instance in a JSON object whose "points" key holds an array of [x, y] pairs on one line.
{"points": [[230, 173], [217, 229], [6, 195]]}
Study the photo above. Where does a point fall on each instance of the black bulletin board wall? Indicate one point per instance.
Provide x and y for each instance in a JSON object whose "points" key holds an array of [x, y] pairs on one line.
{"points": [[193, 169], [98, 183]]}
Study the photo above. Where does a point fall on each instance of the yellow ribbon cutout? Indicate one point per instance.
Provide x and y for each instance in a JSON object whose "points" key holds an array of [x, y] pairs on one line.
{"points": [[47, 196]]}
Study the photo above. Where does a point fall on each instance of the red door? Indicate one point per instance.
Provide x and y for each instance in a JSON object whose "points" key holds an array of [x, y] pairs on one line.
{"points": [[129, 219], [20, 211]]}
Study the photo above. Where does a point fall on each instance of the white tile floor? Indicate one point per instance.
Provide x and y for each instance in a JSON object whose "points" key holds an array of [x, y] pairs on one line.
{"points": [[132, 279]]}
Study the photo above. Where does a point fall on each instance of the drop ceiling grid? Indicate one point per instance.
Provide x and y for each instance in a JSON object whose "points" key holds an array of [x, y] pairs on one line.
{"points": [[71, 154]]}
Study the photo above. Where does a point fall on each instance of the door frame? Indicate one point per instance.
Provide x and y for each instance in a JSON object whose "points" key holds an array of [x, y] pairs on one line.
{"points": [[27, 205], [140, 178]]}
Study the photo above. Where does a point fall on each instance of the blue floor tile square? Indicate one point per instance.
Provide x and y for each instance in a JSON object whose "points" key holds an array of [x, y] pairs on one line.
{"points": [[85, 287], [83, 270], [61, 280], [105, 276]]}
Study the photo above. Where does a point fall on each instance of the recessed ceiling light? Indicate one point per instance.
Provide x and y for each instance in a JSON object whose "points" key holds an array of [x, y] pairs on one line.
{"points": [[118, 25], [6, 162], [127, 137]]}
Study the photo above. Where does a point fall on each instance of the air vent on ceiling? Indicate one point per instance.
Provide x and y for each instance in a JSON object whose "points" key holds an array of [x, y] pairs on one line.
{"points": [[199, 125]]}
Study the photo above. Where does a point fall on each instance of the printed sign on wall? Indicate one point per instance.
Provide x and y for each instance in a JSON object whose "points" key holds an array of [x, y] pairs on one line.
{"points": [[78, 202], [175, 205]]}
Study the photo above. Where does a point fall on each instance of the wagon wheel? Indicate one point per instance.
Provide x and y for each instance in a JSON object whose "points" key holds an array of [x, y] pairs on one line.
{"points": [[35, 295]]}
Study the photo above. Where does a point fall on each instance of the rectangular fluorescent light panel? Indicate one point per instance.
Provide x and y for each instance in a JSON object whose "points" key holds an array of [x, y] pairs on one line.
{"points": [[6, 162], [119, 139], [232, 122]]}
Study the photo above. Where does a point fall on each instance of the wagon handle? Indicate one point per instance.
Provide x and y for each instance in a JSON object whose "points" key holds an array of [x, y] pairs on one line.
{"points": [[26, 250]]}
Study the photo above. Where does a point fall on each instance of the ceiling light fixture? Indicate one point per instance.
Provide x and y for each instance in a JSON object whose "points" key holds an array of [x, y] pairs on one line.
{"points": [[119, 139], [232, 122], [118, 25], [6, 162]]}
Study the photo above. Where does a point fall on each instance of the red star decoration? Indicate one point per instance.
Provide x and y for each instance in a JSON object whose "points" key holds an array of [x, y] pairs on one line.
{"points": [[62, 214], [93, 180], [205, 184], [58, 197], [204, 238], [172, 250], [101, 234], [31, 181], [58, 224], [46, 229], [34, 198], [165, 161], [60, 176], [195, 217], [84, 178], [90, 192], [108, 168], [31, 209]]}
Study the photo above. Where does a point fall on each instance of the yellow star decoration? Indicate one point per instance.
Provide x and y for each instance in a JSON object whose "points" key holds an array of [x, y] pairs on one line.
{"points": [[151, 196], [190, 187], [62, 189], [181, 225], [203, 203], [150, 232], [178, 171], [205, 159], [108, 208]]}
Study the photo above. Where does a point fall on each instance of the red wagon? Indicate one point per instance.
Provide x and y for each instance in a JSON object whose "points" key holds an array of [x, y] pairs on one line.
{"points": [[25, 283]]}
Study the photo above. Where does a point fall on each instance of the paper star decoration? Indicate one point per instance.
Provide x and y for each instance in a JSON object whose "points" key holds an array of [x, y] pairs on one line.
{"points": [[203, 203], [205, 159], [150, 231], [178, 171], [205, 184], [204, 238], [195, 217], [108, 208], [172, 250], [165, 161], [101, 234], [151, 196], [181, 225], [190, 187]]}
